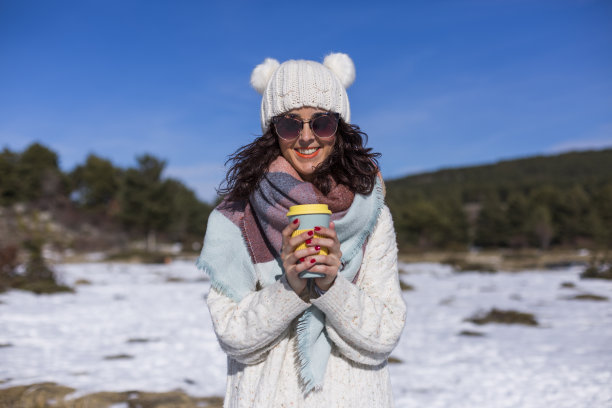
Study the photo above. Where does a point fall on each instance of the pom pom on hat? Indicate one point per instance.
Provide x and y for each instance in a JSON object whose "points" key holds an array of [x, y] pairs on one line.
{"points": [[262, 73], [342, 66]]}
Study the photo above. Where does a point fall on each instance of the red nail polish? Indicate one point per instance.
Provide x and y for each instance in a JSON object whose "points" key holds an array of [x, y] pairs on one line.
{"points": [[317, 228], [318, 248], [312, 261], [308, 241], [296, 221], [301, 259], [310, 233]]}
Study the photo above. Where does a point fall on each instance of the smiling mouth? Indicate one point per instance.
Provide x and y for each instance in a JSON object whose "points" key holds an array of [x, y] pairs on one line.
{"points": [[307, 153]]}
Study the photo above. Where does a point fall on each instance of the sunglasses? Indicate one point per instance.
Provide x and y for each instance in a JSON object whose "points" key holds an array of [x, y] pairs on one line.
{"points": [[323, 125]]}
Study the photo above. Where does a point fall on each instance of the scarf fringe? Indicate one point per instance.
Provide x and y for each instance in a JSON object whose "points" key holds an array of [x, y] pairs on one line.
{"points": [[306, 374], [220, 286]]}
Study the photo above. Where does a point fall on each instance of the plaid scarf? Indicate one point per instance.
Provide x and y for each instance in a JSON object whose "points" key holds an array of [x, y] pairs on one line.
{"points": [[241, 235]]}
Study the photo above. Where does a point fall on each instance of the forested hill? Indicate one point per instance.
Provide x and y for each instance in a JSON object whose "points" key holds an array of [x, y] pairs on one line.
{"points": [[540, 202], [563, 170], [562, 200]]}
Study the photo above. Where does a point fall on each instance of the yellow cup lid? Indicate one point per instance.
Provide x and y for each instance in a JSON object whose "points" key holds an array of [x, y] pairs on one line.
{"points": [[308, 209]]}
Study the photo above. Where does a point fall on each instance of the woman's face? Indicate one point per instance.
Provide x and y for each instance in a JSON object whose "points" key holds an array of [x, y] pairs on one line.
{"points": [[306, 151]]}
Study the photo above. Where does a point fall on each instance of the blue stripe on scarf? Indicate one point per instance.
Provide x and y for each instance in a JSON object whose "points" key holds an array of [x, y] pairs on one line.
{"points": [[225, 258]]}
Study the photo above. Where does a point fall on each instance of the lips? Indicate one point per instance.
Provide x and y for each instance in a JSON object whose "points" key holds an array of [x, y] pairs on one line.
{"points": [[307, 153]]}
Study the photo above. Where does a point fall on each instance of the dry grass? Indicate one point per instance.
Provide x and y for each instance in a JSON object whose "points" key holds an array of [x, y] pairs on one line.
{"points": [[500, 259], [40, 286], [598, 272], [471, 333], [51, 395], [82, 282], [119, 357], [405, 286], [589, 296], [504, 317], [135, 256], [141, 340]]}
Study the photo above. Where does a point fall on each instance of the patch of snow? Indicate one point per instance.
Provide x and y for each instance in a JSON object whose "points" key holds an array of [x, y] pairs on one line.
{"points": [[95, 256], [584, 252], [157, 315]]}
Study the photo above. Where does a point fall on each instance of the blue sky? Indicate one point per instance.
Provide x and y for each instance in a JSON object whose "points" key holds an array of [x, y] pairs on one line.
{"points": [[439, 83]]}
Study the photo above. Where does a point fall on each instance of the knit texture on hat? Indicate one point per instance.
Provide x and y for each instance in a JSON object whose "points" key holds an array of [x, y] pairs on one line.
{"points": [[298, 83]]}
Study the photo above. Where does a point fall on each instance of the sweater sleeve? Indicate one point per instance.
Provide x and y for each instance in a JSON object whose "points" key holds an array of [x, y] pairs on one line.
{"points": [[365, 320], [247, 330]]}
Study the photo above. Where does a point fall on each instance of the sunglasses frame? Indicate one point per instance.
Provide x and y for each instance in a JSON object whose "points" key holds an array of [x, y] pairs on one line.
{"points": [[315, 116]]}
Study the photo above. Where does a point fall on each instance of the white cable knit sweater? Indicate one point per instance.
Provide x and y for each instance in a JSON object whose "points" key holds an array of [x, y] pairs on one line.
{"points": [[363, 321]]}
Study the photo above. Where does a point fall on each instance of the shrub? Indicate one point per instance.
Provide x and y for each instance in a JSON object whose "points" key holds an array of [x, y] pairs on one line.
{"points": [[8, 264], [589, 296], [504, 317]]}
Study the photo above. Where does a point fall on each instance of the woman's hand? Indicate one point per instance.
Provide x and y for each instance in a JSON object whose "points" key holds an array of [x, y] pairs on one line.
{"points": [[327, 264], [294, 262]]}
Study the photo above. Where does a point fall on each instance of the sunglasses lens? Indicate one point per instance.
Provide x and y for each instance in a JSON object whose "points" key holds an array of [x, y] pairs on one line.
{"points": [[288, 128], [325, 125]]}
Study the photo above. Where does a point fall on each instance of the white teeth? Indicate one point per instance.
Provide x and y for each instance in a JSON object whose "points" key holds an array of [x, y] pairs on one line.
{"points": [[307, 151]]}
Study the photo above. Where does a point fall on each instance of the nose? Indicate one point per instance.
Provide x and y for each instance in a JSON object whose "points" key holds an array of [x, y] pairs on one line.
{"points": [[306, 135]]}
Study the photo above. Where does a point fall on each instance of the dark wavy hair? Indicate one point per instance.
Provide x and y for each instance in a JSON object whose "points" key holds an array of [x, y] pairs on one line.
{"points": [[350, 163]]}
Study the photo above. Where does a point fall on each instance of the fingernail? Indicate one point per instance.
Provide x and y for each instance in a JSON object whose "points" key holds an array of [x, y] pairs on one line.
{"points": [[296, 221], [301, 259], [318, 248], [317, 228], [308, 241], [312, 261], [310, 233]]}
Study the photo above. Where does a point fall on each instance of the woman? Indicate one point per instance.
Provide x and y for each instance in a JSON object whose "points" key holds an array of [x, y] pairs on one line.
{"points": [[294, 342]]}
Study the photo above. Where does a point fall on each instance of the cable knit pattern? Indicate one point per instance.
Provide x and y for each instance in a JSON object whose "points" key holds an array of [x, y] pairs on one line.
{"points": [[363, 320], [298, 83]]}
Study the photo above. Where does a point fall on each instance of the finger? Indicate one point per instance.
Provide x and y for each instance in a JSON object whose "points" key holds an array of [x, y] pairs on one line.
{"points": [[332, 246], [292, 226], [326, 232], [325, 260], [301, 267], [302, 254], [286, 235], [330, 273], [291, 243], [290, 260], [320, 268], [295, 270], [298, 284], [328, 238], [301, 238], [322, 242]]}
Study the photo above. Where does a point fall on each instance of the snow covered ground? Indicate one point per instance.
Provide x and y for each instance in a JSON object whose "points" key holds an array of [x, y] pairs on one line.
{"points": [[146, 327]]}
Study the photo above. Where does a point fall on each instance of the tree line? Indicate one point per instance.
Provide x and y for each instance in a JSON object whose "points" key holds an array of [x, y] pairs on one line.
{"points": [[138, 199], [538, 202]]}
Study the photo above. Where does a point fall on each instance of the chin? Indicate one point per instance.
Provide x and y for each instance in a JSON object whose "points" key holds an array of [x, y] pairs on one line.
{"points": [[305, 174]]}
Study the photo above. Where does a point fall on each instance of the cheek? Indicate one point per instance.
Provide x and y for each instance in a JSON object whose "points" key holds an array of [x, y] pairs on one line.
{"points": [[285, 149], [328, 149]]}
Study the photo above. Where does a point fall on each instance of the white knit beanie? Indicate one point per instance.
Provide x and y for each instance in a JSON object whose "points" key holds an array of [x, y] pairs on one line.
{"points": [[298, 83]]}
